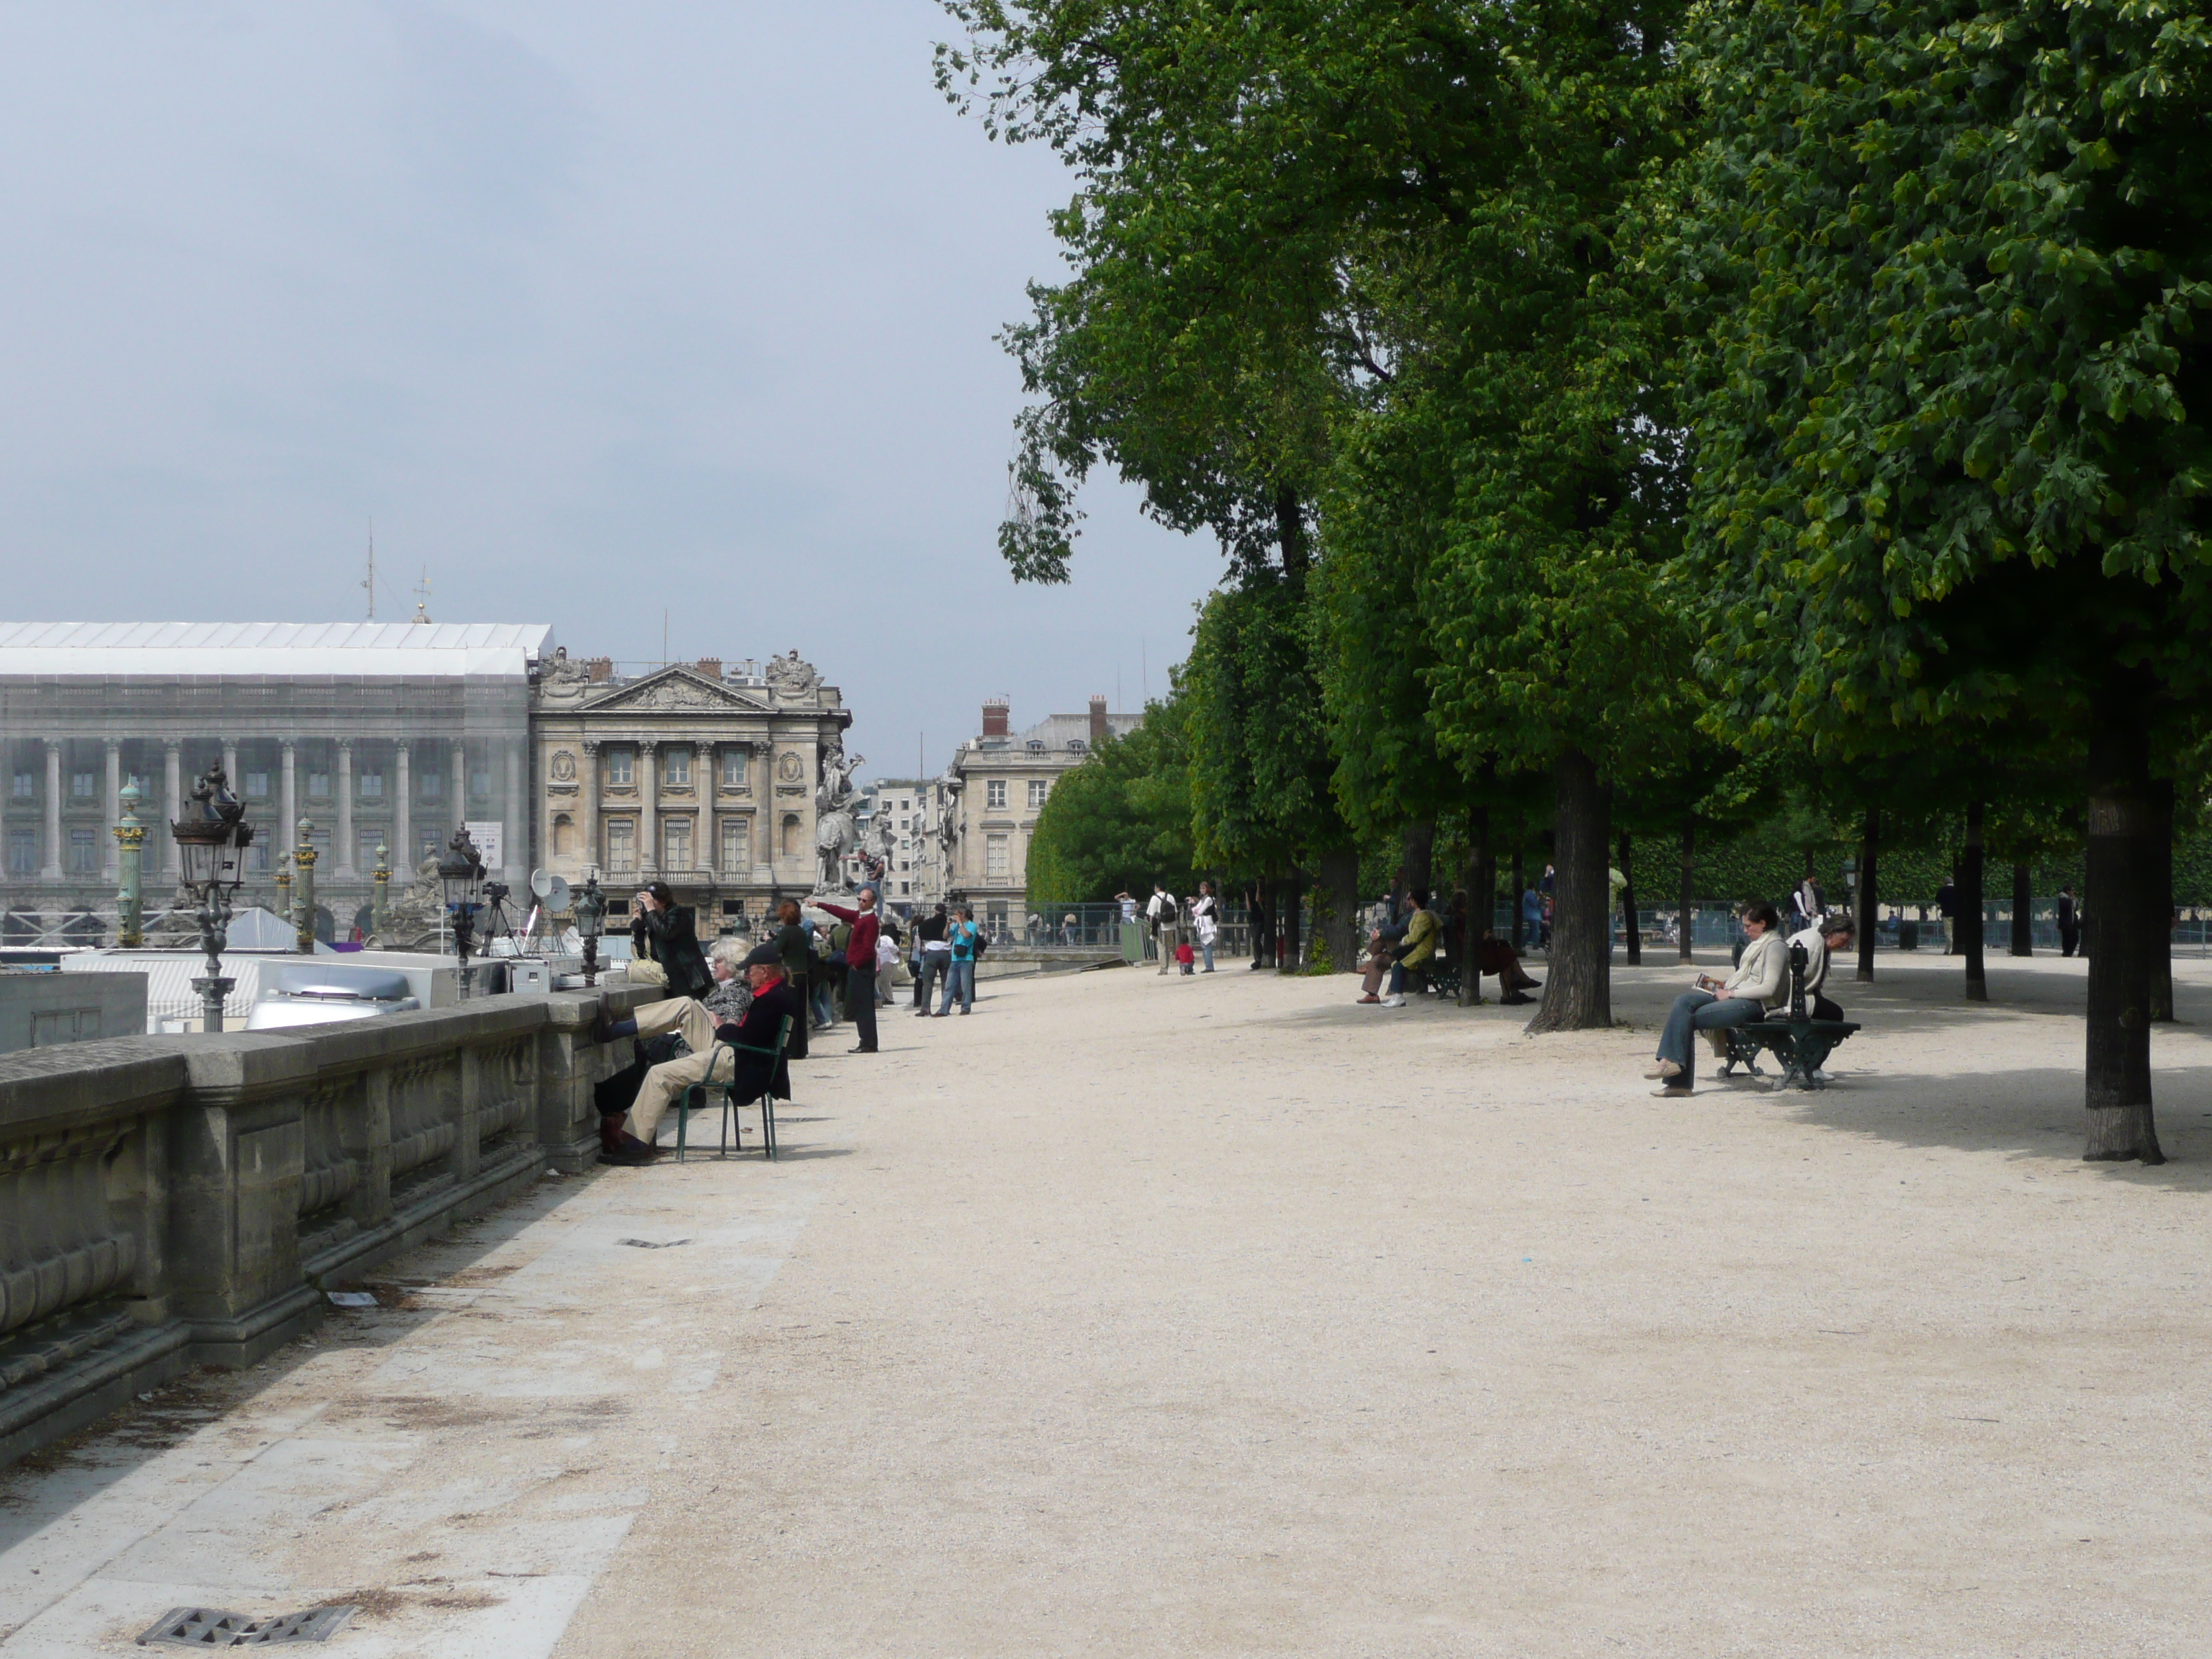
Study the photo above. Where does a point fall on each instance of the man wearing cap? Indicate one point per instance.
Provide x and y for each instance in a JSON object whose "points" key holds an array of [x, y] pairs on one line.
{"points": [[630, 1139]]}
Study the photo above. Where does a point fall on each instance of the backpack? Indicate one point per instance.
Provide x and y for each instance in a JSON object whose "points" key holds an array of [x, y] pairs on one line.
{"points": [[978, 945]]}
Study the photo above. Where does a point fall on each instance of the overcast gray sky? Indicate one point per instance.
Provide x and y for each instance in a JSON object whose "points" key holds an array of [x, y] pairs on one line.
{"points": [[598, 310]]}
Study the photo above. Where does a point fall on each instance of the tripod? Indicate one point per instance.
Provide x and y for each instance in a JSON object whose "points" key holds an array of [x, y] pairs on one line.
{"points": [[498, 922]]}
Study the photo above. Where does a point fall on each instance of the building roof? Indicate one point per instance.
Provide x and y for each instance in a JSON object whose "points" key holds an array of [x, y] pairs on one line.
{"points": [[344, 649], [1058, 731]]}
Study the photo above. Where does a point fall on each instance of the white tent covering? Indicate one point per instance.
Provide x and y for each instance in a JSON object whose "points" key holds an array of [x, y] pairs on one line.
{"points": [[257, 936]]}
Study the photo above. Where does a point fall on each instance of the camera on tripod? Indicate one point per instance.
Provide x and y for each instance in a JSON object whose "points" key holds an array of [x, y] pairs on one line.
{"points": [[494, 892]]}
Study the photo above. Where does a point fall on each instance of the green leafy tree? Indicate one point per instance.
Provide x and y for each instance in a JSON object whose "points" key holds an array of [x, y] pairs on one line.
{"points": [[1953, 460]]}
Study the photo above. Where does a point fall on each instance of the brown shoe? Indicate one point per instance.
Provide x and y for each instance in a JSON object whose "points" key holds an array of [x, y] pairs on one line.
{"points": [[1665, 1068], [1672, 1091], [1371, 997]]}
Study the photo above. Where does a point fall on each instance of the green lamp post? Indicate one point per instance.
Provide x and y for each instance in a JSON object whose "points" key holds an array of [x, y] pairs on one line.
{"points": [[303, 902], [129, 899]]}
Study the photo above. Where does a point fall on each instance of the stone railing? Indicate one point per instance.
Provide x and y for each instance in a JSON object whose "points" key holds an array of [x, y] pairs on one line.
{"points": [[173, 1201]]}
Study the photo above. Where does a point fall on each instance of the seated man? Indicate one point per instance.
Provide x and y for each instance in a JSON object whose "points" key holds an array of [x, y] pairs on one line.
{"points": [[1821, 941], [1381, 946], [629, 1138], [1495, 956]]}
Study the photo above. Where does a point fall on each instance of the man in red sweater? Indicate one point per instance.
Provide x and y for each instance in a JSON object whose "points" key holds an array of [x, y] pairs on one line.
{"points": [[859, 965]]}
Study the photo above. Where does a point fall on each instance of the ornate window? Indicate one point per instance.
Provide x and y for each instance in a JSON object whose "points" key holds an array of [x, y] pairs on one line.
{"points": [[431, 783], [82, 786], [371, 785], [737, 844], [676, 844], [995, 792], [678, 762], [319, 786], [83, 852], [256, 786], [619, 762], [621, 846], [1038, 788], [997, 863], [733, 768]]}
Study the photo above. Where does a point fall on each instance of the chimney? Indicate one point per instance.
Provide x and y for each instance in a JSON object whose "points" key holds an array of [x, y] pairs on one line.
{"points": [[1098, 722], [994, 717], [711, 667], [601, 668]]}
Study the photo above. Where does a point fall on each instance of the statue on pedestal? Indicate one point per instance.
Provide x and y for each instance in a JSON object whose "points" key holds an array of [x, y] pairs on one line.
{"points": [[833, 798]]}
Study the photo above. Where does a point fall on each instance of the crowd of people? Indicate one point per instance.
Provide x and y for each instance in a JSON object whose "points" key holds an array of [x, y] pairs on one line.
{"points": [[1179, 933], [820, 962]]}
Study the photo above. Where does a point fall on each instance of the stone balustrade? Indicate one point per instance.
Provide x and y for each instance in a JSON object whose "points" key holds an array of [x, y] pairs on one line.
{"points": [[178, 1201]]}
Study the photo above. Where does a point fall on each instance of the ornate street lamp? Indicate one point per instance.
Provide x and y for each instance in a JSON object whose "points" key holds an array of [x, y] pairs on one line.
{"points": [[211, 841], [129, 899], [590, 909], [461, 873]]}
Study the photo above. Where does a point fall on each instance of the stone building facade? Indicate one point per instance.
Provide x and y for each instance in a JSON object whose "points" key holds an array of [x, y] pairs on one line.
{"points": [[988, 800], [391, 735], [379, 734], [711, 780]]}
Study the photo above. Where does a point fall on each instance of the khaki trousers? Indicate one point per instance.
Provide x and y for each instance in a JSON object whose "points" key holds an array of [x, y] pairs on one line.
{"points": [[667, 1081]]}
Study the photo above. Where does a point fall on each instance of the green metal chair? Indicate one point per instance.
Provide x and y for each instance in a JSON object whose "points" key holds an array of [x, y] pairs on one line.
{"points": [[695, 1097]]}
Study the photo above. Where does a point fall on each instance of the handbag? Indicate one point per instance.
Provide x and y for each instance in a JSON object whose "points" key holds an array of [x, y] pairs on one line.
{"points": [[645, 971]]}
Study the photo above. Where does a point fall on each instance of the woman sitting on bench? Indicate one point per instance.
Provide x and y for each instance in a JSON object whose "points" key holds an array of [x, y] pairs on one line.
{"points": [[1760, 981]]}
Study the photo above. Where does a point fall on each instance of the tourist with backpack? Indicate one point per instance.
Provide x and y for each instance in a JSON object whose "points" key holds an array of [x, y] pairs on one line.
{"points": [[966, 941]]}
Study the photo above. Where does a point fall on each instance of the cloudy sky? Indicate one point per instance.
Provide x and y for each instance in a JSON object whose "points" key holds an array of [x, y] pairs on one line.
{"points": [[600, 313]]}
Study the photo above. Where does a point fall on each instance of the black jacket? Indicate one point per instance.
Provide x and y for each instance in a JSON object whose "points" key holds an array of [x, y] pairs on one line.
{"points": [[669, 938], [757, 1029]]}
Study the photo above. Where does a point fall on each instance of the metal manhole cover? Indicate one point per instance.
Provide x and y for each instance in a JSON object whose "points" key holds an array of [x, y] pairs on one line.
{"points": [[211, 1627]]}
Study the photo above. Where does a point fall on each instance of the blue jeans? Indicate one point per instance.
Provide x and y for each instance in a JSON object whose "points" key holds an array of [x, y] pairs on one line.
{"points": [[1205, 950], [824, 1012], [932, 969], [1695, 1012], [959, 982]]}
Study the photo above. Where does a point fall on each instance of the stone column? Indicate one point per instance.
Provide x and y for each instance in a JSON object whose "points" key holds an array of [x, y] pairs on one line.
{"points": [[764, 813], [52, 871], [289, 800], [460, 784], [404, 855], [706, 787], [342, 866], [517, 850], [230, 767], [587, 806], [173, 794], [648, 809], [110, 868]]}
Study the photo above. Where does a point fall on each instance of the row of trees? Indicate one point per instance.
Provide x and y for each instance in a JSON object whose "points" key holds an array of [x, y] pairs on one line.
{"points": [[1661, 410]]}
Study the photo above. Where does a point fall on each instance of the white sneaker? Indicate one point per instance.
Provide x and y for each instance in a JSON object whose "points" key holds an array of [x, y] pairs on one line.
{"points": [[1393, 1002]]}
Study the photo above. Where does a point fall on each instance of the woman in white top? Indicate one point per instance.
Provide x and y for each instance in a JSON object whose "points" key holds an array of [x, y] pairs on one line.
{"points": [[1760, 981]]}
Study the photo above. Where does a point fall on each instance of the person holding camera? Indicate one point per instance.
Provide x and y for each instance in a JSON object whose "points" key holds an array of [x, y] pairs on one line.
{"points": [[664, 936]]}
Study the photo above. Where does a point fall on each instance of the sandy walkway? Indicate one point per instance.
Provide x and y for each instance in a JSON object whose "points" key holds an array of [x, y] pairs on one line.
{"points": [[1219, 1316]]}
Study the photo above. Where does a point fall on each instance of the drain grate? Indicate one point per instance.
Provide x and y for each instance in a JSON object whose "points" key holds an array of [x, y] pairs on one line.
{"points": [[211, 1627]]}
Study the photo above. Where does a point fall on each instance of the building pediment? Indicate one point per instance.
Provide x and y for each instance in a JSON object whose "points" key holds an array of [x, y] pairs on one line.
{"points": [[673, 690]]}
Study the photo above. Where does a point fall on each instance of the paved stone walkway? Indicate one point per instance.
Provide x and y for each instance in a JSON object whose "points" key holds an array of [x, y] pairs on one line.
{"points": [[1219, 1316]]}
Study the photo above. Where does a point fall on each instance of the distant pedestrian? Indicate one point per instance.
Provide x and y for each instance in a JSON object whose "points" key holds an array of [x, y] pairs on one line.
{"points": [[1532, 918], [934, 957], [1808, 904], [1161, 913], [862, 922], [1947, 905], [962, 936], [1205, 917], [2070, 922]]}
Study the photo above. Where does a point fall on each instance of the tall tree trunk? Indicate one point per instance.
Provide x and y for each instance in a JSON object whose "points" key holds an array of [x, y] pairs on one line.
{"points": [[1970, 906], [1260, 918], [1688, 886], [2160, 939], [1520, 920], [1419, 852], [1339, 892], [1294, 901], [1290, 533], [1629, 933], [2023, 906], [1869, 893], [1482, 903], [1579, 987], [2122, 871]]}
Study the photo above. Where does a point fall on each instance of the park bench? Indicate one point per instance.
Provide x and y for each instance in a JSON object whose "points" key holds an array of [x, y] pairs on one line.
{"points": [[1801, 1044]]}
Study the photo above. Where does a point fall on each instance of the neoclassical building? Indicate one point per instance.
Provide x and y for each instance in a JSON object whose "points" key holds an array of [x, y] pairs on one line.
{"points": [[709, 781], [390, 735]]}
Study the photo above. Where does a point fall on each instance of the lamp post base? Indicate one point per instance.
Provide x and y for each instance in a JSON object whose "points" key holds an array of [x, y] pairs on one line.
{"points": [[213, 995]]}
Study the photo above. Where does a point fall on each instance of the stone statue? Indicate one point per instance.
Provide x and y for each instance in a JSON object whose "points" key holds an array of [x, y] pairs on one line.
{"points": [[834, 798], [417, 921], [563, 681], [790, 678]]}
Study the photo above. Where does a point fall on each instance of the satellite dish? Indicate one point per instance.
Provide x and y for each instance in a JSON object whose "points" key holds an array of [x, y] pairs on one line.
{"points": [[541, 882], [556, 895]]}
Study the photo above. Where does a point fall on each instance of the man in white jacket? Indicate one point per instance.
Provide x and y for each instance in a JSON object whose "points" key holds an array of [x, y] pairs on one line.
{"points": [[1760, 981]]}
